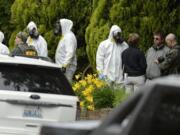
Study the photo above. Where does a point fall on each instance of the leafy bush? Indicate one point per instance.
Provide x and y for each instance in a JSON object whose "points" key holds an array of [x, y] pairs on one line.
{"points": [[96, 94], [103, 98], [84, 89], [119, 97]]}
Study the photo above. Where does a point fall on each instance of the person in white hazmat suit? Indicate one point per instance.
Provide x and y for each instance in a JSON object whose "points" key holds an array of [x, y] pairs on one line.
{"points": [[36, 40], [108, 57], [3, 48], [65, 55]]}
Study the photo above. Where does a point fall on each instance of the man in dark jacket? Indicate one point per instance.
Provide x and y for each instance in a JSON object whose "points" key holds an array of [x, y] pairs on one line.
{"points": [[171, 63], [134, 63]]}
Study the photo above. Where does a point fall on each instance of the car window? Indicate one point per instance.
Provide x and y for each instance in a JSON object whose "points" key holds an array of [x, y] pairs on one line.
{"points": [[18, 77]]}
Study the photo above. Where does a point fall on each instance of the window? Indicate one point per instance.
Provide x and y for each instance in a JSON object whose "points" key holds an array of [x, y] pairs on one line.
{"points": [[28, 78]]}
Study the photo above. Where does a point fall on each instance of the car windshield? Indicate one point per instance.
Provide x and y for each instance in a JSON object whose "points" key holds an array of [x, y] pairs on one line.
{"points": [[27, 78]]}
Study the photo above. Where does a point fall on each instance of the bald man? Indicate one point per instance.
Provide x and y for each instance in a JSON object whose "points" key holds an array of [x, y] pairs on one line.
{"points": [[171, 63], [171, 40]]}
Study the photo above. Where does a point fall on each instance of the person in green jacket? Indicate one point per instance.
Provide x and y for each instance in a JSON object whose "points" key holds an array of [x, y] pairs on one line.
{"points": [[22, 49], [171, 63]]}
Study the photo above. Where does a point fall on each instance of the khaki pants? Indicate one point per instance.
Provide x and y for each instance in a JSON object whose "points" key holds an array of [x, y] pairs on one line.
{"points": [[132, 84]]}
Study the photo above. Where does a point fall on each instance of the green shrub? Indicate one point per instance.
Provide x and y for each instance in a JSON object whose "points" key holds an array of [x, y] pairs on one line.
{"points": [[119, 97], [103, 98], [94, 93]]}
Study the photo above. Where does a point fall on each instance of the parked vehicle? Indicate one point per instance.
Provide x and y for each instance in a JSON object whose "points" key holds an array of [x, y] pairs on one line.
{"points": [[33, 92], [155, 110]]}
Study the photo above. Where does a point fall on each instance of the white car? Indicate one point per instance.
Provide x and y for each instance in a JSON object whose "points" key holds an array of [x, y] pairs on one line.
{"points": [[33, 92]]}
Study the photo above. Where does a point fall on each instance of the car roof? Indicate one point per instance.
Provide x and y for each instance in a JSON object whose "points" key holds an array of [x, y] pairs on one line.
{"points": [[26, 61]]}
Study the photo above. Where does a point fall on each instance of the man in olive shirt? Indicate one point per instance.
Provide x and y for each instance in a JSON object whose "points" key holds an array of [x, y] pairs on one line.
{"points": [[171, 63]]}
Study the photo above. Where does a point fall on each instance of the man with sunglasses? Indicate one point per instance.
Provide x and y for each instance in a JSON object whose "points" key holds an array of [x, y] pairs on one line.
{"points": [[157, 50]]}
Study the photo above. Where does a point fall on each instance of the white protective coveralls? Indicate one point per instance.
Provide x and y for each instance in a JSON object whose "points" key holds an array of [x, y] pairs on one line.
{"points": [[3, 48], [40, 43], [66, 50], [108, 58]]}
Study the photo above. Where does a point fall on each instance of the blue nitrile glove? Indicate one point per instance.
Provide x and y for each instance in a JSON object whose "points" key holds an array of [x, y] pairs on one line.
{"points": [[102, 77]]}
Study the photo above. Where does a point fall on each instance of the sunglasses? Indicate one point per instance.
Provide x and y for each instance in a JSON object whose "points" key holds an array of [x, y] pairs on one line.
{"points": [[156, 38]]}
